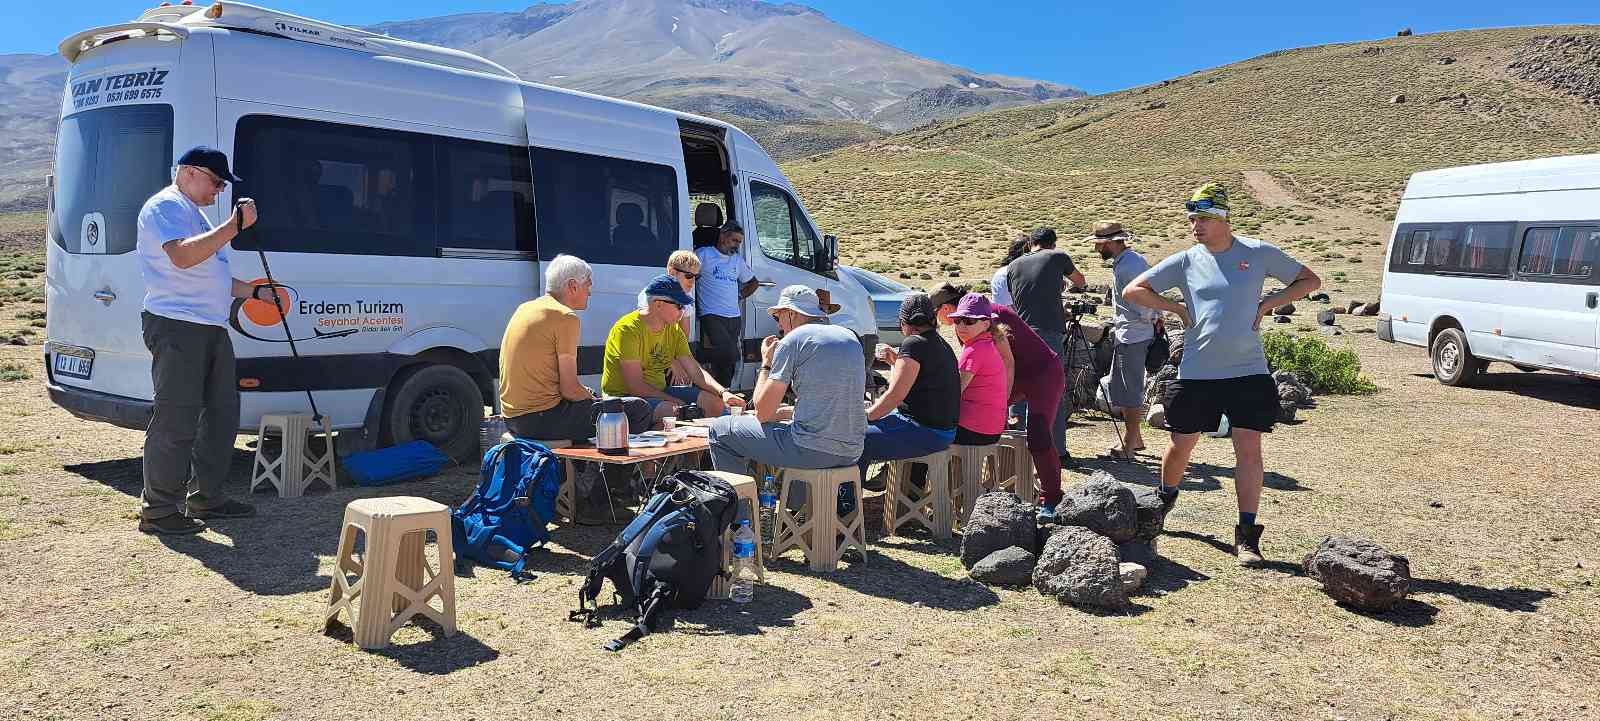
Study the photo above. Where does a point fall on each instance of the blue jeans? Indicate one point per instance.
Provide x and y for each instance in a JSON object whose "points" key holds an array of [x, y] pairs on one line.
{"points": [[738, 440], [896, 436], [684, 394]]}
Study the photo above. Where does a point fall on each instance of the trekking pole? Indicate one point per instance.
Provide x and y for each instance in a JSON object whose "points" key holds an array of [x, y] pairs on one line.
{"points": [[283, 316]]}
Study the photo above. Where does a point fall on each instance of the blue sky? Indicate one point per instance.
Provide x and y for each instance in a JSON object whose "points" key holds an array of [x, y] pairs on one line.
{"points": [[1096, 46]]}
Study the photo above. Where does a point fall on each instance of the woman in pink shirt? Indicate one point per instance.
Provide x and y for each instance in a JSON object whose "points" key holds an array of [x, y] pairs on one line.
{"points": [[984, 379]]}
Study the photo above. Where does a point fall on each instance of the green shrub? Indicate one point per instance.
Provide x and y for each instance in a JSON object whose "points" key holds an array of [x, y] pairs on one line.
{"points": [[13, 372], [1324, 369]]}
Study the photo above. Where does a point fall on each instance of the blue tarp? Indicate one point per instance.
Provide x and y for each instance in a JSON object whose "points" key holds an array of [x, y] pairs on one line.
{"points": [[417, 459]]}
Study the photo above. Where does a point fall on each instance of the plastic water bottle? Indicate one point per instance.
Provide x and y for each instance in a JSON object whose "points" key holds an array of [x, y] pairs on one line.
{"points": [[768, 497], [744, 563]]}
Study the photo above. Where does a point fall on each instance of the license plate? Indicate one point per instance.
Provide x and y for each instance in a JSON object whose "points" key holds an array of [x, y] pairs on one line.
{"points": [[74, 362]]}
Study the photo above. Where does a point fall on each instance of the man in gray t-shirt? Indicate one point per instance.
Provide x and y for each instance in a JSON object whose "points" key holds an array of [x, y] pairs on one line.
{"points": [[824, 365], [1133, 329], [1223, 371]]}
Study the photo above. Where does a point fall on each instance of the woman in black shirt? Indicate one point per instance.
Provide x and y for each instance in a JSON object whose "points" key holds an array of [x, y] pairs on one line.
{"points": [[917, 415]]}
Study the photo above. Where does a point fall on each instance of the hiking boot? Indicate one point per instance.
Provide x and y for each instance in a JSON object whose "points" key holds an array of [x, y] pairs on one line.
{"points": [[230, 509], [1168, 500], [1047, 514], [175, 524], [1247, 544]]}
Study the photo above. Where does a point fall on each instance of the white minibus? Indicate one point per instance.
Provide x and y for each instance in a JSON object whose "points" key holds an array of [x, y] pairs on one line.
{"points": [[407, 196], [1497, 262]]}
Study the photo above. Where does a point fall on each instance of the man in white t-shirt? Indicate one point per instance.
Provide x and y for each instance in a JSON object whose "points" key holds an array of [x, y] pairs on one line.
{"points": [[188, 294], [725, 280]]}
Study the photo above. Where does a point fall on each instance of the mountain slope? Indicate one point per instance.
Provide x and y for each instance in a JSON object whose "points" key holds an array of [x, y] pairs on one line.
{"points": [[32, 88], [1338, 128], [740, 57]]}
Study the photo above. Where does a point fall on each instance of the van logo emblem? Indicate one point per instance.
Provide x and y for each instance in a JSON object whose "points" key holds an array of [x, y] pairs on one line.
{"points": [[92, 235]]}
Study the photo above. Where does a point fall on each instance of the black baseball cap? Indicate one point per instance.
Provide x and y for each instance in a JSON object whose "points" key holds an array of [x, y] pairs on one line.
{"points": [[204, 156]]}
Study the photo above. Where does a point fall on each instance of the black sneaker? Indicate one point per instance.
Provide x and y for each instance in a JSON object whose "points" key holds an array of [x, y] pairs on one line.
{"points": [[230, 509], [175, 524], [1168, 500], [1247, 544]]}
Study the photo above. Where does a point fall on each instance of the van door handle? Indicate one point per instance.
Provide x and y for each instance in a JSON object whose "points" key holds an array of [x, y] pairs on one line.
{"points": [[106, 296], [774, 284], [1593, 300]]}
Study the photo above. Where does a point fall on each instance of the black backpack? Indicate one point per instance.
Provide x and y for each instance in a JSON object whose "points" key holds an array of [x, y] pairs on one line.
{"points": [[667, 557]]}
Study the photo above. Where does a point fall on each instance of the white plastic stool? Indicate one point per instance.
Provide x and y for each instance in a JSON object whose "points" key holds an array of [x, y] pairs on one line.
{"points": [[819, 535], [295, 468], [394, 581], [974, 481], [1016, 467], [932, 507]]}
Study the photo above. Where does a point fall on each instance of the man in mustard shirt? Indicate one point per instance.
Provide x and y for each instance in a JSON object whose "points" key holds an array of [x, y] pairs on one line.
{"points": [[540, 394], [644, 345]]}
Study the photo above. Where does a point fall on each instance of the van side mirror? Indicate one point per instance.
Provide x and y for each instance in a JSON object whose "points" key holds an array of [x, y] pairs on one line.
{"points": [[830, 255]]}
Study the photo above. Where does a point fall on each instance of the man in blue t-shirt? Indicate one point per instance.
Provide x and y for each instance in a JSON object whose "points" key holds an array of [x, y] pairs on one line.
{"points": [[1224, 370], [725, 280]]}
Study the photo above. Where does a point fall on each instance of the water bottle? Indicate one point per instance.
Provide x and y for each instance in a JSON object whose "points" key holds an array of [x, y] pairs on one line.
{"points": [[744, 563], [768, 497]]}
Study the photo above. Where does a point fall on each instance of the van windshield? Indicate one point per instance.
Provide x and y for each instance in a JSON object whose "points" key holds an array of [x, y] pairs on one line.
{"points": [[108, 162]]}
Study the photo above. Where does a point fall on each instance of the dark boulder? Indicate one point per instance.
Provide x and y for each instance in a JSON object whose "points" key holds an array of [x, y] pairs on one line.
{"points": [[1103, 505], [1080, 567], [998, 521], [1359, 572], [1010, 566]]}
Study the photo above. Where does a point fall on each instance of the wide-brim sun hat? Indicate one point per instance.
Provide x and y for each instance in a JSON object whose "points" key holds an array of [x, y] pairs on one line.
{"points": [[800, 299], [1106, 231], [974, 305]]}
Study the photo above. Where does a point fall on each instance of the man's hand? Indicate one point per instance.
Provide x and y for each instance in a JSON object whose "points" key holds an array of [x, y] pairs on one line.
{"points": [[785, 413], [590, 391], [731, 399], [887, 354], [244, 214], [768, 346], [1261, 312]]}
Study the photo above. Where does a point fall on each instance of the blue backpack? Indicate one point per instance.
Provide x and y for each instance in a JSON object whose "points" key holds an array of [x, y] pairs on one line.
{"points": [[512, 507]]}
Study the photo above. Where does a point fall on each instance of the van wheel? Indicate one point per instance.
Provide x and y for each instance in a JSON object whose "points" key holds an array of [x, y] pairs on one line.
{"points": [[439, 404], [1453, 363]]}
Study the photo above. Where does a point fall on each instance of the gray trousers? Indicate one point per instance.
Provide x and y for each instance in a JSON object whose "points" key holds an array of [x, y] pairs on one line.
{"points": [[738, 440], [1058, 429], [189, 444]]}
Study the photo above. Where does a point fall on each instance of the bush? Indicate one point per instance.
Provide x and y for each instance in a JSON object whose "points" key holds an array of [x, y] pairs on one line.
{"points": [[13, 372], [1324, 369]]}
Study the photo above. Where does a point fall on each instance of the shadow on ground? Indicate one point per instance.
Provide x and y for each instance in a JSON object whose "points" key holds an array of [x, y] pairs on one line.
{"points": [[886, 577], [1560, 388], [439, 655], [1146, 471]]}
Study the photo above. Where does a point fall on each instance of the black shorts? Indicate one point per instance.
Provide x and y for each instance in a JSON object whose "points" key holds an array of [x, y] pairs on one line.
{"points": [[1196, 406]]}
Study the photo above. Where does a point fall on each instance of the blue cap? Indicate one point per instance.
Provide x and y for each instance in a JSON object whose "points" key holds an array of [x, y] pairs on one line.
{"points": [[203, 156], [665, 287]]}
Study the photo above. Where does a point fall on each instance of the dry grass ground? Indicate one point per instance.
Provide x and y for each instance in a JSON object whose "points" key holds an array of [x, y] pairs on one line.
{"points": [[1488, 490]]}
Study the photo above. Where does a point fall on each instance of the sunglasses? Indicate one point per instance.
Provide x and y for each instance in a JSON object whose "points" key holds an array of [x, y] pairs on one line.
{"points": [[969, 321], [216, 182], [1202, 204], [686, 274]]}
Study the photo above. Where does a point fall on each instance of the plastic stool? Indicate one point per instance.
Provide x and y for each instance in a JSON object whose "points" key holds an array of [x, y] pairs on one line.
{"points": [[972, 483], [722, 586], [932, 507], [1016, 467], [394, 581], [818, 537], [294, 468]]}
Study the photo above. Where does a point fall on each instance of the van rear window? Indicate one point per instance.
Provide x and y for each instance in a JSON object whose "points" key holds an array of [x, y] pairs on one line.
{"points": [[108, 162]]}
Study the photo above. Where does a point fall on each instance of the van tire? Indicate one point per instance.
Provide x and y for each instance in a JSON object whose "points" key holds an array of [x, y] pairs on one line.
{"points": [[1453, 362], [439, 404]]}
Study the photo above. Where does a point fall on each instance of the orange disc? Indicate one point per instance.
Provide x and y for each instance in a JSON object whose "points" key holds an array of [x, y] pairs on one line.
{"points": [[263, 313]]}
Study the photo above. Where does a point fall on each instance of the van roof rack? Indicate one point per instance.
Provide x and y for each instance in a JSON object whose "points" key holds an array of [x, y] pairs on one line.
{"points": [[176, 19]]}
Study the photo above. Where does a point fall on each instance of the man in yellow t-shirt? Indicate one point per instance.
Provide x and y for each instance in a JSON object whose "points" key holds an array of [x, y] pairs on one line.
{"points": [[644, 345], [540, 395]]}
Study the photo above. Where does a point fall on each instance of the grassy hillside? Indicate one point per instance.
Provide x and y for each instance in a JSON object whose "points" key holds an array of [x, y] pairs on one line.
{"points": [[1321, 132]]}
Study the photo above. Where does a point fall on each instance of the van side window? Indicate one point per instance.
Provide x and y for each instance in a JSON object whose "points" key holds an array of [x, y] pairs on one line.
{"points": [[485, 197], [781, 229], [1417, 253], [1568, 253], [605, 210], [1486, 248], [331, 188]]}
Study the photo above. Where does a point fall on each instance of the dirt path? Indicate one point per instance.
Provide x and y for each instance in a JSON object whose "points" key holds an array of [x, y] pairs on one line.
{"points": [[1267, 189]]}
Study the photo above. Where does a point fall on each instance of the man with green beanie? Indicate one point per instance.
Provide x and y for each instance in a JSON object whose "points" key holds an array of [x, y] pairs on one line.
{"points": [[1224, 369]]}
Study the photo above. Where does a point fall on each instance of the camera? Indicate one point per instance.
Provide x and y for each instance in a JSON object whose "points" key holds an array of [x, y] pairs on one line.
{"points": [[1080, 307]]}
